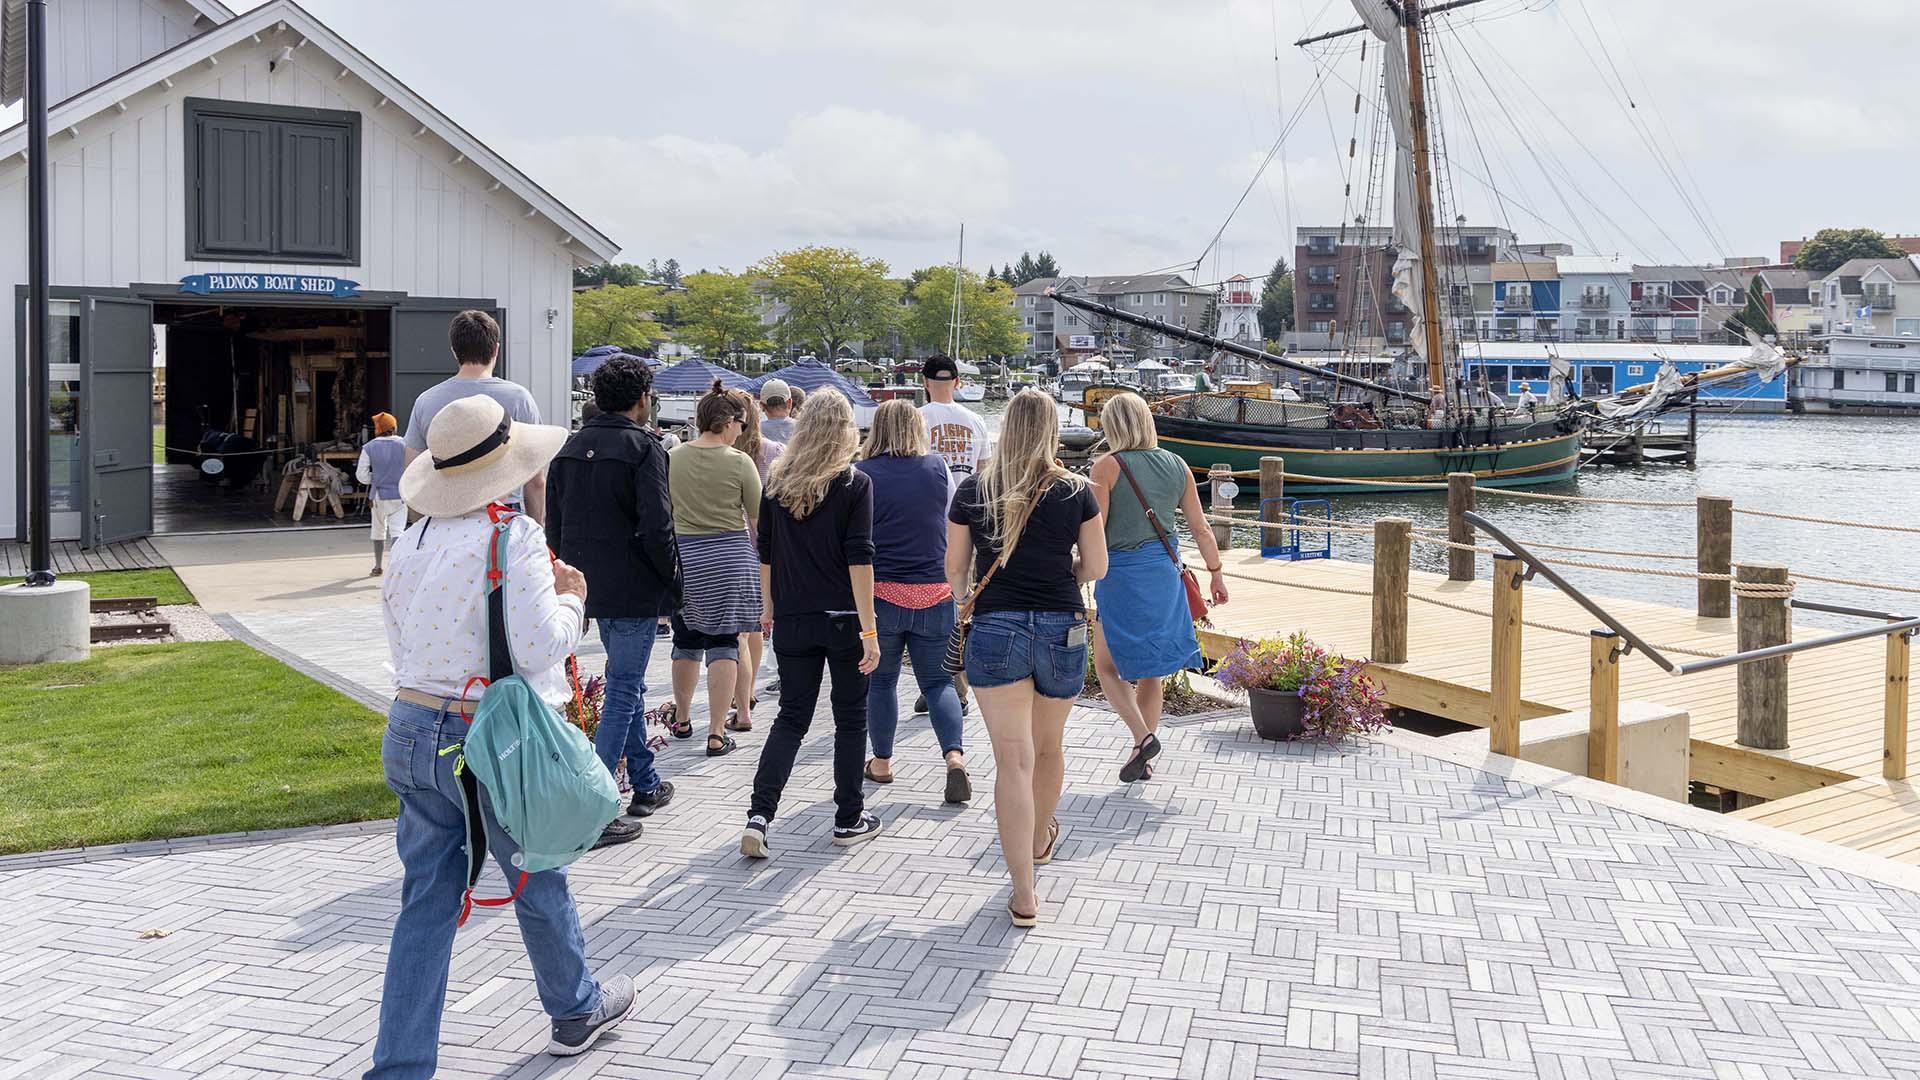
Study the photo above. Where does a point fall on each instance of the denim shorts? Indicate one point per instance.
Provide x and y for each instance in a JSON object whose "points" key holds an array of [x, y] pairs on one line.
{"points": [[1008, 646]]}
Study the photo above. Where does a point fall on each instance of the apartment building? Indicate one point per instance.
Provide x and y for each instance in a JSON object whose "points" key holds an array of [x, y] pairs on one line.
{"points": [[1342, 283], [1869, 297], [1594, 292], [1056, 331]]}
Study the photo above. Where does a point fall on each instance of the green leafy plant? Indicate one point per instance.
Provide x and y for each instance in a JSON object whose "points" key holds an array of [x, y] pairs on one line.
{"points": [[1337, 699]]}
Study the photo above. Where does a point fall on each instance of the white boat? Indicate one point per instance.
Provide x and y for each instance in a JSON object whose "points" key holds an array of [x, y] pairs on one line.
{"points": [[970, 391], [1074, 381]]}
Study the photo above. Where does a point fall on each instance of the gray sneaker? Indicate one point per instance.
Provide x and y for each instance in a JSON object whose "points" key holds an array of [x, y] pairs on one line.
{"points": [[574, 1036]]}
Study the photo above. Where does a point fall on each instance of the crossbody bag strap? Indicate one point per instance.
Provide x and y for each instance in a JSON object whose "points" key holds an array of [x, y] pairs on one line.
{"points": [[1153, 519], [499, 645], [966, 609]]}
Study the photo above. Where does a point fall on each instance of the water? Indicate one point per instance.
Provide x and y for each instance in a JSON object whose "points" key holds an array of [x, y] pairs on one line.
{"points": [[1847, 468]]}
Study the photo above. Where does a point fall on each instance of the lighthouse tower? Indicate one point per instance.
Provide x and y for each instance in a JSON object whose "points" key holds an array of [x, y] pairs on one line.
{"points": [[1239, 320]]}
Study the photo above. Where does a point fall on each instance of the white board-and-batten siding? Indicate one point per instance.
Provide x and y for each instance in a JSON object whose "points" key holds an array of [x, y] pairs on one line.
{"points": [[428, 227], [91, 41]]}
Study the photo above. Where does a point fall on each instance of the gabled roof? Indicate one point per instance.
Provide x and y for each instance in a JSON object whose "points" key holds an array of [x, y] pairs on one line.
{"points": [[13, 41], [1897, 269], [1659, 272], [1107, 284], [1778, 278], [315, 34]]}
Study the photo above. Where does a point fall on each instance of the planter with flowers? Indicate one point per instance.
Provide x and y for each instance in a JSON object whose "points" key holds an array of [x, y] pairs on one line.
{"points": [[1296, 688]]}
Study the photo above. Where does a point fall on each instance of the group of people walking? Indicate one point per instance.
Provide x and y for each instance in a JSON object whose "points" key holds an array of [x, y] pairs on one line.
{"points": [[850, 557]]}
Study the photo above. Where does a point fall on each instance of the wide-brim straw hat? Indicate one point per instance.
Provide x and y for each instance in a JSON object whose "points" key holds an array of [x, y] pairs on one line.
{"points": [[476, 455]]}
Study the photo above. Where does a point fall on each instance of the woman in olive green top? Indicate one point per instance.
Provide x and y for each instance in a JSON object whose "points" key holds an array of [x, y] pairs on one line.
{"points": [[1142, 630], [716, 504]]}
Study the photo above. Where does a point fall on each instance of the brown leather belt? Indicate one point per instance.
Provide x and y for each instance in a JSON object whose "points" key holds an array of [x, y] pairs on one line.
{"points": [[436, 702]]}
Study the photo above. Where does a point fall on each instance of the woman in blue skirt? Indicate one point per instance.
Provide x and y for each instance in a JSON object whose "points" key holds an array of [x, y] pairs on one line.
{"points": [[1143, 630]]}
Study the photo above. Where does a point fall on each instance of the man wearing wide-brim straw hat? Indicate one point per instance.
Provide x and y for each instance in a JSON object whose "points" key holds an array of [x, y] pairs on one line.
{"points": [[436, 615]]}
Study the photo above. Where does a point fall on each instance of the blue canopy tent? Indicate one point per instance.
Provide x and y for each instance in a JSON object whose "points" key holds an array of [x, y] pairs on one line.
{"points": [[812, 375], [692, 376], [588, 362]]}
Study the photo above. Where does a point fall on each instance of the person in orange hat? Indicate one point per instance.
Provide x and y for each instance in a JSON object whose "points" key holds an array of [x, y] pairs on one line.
{"points": [[382, 461]]}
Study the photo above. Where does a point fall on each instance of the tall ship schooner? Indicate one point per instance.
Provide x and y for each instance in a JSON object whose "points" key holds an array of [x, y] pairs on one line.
{"points": [[1368, 430]]}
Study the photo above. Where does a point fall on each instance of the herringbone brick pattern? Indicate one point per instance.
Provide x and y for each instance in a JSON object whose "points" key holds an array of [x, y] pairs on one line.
{"points": [[1259, 910]]}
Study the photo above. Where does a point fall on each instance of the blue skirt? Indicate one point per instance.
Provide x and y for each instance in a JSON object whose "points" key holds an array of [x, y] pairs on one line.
{"points": [[1143, 614]]}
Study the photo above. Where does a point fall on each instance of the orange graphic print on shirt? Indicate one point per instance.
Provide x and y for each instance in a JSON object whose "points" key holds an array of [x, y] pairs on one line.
{"points": [[956, 446]]}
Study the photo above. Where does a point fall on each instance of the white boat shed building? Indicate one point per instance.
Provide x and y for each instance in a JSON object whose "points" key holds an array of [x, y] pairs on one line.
{"points": [[287, 224]]}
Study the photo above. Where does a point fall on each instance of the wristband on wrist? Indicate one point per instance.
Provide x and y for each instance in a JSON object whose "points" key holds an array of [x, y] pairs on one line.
{"points": [[1213, 569], [868, 635]]}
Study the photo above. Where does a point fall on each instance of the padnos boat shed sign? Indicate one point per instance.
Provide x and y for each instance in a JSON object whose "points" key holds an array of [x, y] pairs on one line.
{"points": [[295, 284]]}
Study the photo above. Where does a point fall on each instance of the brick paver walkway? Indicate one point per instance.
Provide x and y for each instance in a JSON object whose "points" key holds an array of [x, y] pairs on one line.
{"points": [[1259, 910]]}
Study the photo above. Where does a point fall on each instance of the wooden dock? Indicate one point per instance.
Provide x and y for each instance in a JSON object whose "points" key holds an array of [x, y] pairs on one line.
{"points": [[1828, 775]]}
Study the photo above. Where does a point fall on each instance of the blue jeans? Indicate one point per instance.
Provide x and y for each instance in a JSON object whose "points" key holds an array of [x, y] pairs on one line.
{"points": [[623, 711], [431, 837], [922, 635], [1006, 647]]}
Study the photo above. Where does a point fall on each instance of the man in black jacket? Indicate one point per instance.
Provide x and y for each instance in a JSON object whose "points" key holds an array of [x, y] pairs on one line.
{"points": [[608, 514]]}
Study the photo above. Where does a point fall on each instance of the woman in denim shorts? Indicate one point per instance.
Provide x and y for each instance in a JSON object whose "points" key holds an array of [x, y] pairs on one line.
{"points": [[1014, 527]]}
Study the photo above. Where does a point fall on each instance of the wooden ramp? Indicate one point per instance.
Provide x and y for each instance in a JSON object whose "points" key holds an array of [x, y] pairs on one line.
{"points": [[1835, 695], [1870, 814], [71, 558]]}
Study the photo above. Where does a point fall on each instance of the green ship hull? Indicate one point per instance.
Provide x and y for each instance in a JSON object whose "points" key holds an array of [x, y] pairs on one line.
{"points": [[1352, 461]]}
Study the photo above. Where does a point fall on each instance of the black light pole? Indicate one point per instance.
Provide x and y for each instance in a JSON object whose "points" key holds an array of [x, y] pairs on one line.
{"points": [[39, 442]]}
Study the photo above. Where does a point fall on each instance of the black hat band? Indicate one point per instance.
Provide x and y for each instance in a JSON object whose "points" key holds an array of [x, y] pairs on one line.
{"points": [[478, 450]]}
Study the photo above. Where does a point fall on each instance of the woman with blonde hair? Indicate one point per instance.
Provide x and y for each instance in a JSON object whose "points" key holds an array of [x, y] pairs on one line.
{"points": [[1142, 627], [816, 587], [1015, 526], [764, 452], [912, 600], [716, 500]]}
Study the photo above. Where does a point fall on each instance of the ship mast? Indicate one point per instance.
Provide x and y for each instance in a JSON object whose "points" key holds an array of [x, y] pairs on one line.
{"points": [[1423, 184]]}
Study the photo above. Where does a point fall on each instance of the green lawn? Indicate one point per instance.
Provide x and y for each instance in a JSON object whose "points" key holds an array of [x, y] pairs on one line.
{"points": [[162, 584], [149, 741]]}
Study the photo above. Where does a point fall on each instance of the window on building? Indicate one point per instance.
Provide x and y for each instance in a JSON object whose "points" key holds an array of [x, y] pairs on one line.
{"points": [[272, 183], [1906, 327], [1839, 379], [1136, 299], [1319, 326], [1636, 369], [1183, 299], [1893, 383], [1029, 320], [1909, 384], [1320, 275], [1073, 320], [1320, 245], [1159, 299], [1029, 301]]}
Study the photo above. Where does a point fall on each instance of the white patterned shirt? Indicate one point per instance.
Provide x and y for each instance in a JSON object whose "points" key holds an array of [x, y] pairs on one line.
{"points": [[435, 602]]}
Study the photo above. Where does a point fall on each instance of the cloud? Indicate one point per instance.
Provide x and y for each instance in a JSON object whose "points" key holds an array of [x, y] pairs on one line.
{"points": [[840, 176]]}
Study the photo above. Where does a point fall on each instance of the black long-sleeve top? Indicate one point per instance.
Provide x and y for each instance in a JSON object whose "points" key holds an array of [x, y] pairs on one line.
{"points": [[810, 556], [609, 514]]}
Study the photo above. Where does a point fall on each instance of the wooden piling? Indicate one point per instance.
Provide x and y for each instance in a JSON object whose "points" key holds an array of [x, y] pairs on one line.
{"points": [[1899, 649], [1503, 721], [1273, 488], [1713, 554], [1603, 707], [1459, 501], [1761, 721], [1392, 550], [1217, 478]]}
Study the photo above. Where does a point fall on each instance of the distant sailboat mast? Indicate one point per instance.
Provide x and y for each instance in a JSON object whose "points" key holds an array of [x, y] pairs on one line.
{"points": [[1423, 182], [957, 309]]}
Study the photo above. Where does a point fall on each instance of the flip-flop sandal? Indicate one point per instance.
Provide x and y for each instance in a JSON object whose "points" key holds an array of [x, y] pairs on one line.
{"points": [[959, 784], [1053, 841], [887, 779], [1024, 922], [726, 745], [1136, 768]]}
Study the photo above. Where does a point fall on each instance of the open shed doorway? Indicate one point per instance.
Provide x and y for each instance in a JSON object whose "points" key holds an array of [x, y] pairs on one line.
{"points": [[243, 393]]}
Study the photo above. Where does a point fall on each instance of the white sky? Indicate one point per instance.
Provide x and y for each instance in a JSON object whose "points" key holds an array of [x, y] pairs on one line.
{"points": [[1119, 133]]}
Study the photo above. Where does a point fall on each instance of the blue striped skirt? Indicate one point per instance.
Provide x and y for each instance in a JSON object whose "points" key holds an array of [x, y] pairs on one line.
{"points": [[1142, 608], [720, 583]]}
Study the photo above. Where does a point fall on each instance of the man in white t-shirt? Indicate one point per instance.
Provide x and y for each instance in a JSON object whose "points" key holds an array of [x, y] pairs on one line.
{"points": [[957, 433]]}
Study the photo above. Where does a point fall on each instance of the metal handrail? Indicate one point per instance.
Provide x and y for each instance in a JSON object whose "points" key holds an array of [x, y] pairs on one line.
{"points": [[1896, 625], [1535, 565]]}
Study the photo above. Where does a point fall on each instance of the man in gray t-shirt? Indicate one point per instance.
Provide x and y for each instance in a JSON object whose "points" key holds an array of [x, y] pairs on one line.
{"points": [[776, 402], [475, 338]]}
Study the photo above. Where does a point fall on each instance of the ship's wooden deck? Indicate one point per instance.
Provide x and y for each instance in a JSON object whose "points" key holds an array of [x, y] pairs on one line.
{"points": [[1835, 695]]}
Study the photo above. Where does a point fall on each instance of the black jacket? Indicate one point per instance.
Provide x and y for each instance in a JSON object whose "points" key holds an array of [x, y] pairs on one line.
{"points": [[608, 513]]}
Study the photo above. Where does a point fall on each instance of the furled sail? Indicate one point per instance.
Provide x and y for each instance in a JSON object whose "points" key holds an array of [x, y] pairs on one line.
{"points": [[1649, 399], [1383, 21]]}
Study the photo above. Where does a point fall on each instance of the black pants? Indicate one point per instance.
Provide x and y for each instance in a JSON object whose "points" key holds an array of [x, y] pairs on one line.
{"points": [[804, 646]]}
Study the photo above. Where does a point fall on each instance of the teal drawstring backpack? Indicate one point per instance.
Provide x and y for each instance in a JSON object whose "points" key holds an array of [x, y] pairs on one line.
{"points": [[548, 788]]}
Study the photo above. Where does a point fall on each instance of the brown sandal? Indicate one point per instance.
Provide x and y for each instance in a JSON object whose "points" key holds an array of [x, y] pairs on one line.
{"points": [[1053, 841], [887, 779], [1024, 922]]}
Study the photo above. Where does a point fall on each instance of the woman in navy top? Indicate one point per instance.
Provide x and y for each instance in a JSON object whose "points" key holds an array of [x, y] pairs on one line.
{"points": [[913, 604]]}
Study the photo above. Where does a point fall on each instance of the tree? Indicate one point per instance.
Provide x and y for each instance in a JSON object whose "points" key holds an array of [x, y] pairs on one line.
{"points": [[1044, 266], [670, 272], [991, 327], [609, 274], [1276, 301], [834, 296], [1754, 316], [721, 314], [616, 315], [1829, 248], [1024, 271]]}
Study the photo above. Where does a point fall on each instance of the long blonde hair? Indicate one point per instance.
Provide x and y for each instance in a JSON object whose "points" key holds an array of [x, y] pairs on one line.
{"points": [[1023, 469], [821, 450], [898, 428], [749, 441], [1127, 423]]}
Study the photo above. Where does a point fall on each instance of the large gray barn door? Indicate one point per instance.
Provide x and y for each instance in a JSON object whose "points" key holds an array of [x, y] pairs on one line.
{"points": [[421, 355], [116, 425]]}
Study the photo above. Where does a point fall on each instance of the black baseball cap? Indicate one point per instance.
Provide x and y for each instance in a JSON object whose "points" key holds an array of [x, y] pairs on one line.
{"points": [[939, 367]]}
